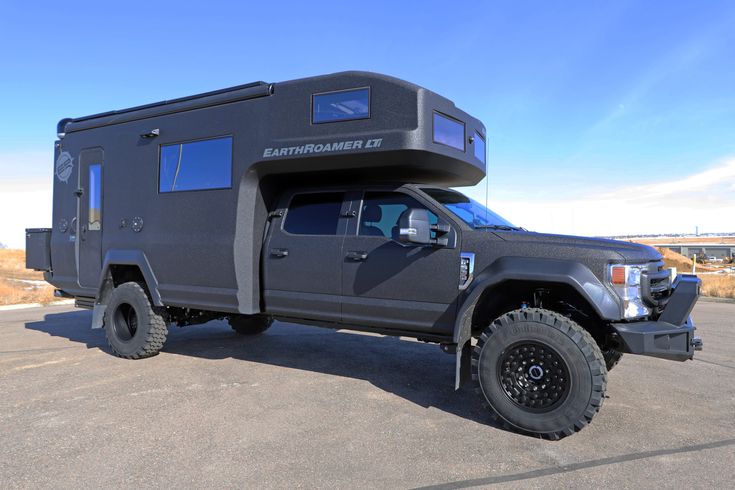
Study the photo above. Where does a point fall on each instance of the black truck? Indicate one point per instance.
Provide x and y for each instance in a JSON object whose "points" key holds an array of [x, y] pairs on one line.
{"points": [[327, 201]]}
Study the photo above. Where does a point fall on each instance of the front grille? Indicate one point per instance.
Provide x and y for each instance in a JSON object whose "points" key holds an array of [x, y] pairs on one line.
{"points": [[656, 285]]}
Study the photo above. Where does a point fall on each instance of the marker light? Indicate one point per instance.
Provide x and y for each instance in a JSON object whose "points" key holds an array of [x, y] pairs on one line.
{"points": [[618, 275]]}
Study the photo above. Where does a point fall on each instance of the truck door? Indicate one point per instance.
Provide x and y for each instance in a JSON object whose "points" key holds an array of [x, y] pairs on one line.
{"points": [[302, 257], [389, 284], [89, 218]]}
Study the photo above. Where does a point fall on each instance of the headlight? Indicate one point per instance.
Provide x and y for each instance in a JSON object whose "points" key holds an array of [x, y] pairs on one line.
{"points": [[626, 280]]}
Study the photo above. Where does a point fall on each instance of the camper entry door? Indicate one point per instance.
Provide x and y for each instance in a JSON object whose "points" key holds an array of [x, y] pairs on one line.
{"points": [[90, 216]]}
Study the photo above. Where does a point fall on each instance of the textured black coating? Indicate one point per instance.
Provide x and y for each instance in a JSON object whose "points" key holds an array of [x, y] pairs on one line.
{"points": [[204, 247]]}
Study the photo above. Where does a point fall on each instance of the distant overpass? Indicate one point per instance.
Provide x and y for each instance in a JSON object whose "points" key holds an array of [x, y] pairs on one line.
{"points": [[717, 250]]}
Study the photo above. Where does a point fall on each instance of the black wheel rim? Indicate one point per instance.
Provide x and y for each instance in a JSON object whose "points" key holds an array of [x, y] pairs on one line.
{"points": [[534, 376], [125, 321]]}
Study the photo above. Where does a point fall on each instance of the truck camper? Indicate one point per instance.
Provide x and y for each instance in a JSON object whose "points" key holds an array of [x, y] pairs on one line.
{"points": [[328, 201]]}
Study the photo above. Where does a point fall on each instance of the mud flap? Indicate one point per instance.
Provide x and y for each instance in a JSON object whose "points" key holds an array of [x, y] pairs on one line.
{"points": [[98, 316], [463, 369]]}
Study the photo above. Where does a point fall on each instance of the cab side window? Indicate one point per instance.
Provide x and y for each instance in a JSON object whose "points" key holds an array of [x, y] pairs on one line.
{"points": [[314, 213], [381, 211]]}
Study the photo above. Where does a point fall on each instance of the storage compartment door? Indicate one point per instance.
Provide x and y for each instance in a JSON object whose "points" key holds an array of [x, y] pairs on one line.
{"points": [[38, 249]]}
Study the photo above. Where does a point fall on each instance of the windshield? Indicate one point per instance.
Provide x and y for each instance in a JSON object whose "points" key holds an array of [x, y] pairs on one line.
{"points": [[468, 210]]}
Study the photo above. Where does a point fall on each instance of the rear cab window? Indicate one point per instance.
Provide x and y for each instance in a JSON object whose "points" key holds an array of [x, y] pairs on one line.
{"points": [[314, 213]]}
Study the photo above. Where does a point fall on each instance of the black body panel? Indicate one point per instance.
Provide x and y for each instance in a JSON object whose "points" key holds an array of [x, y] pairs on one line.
{"points": [[204, 246]]}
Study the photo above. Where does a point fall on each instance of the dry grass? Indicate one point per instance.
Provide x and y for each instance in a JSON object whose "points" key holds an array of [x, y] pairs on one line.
{"points": [[681, 262], [13, 291], [720, 286], [13, 265], [16, 292], [717, 285]]}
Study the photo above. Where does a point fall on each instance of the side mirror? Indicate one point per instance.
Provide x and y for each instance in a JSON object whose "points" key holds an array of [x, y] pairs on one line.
{"points": [[415, 227]]}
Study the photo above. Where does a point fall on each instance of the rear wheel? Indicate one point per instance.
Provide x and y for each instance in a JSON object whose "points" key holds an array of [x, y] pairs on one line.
{"points": [[540, 372], [250, 324], [134, 328]]}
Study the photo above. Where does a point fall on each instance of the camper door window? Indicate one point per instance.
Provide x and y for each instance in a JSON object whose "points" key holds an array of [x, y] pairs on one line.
{"points": [[95, 197]]}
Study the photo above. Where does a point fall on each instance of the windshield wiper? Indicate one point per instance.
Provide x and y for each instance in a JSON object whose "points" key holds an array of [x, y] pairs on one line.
{"points": [[499, 227]]}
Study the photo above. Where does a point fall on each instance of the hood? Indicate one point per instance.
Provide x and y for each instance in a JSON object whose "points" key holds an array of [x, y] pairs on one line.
{"points": [[628, 251], [594, 253]]}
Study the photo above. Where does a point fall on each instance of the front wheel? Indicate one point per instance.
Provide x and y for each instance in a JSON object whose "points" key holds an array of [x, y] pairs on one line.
{"points": [[540, 372]]}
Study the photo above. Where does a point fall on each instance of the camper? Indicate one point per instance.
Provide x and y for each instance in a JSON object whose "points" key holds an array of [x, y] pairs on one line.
{"points": [[329, 201]]}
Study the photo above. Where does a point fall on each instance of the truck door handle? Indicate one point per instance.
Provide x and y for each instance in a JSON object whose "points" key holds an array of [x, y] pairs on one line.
{"points": [[279, 252], [357, 255]]}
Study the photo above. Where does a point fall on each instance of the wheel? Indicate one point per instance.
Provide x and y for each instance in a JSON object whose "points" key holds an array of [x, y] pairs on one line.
{"points": [[539, 372], [250, 324], [612, 358], [133, 327]]}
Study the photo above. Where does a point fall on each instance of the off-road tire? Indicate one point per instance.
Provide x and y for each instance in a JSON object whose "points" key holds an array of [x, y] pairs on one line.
{"points": [[612, 358], [134, 328], [508, 388], [250, 324]]}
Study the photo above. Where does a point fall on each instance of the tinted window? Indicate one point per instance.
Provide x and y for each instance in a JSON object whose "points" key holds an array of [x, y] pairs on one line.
{"points": [[448, 131], [197, 165], [314, 214], [95, 197], [341, 106], [479, 147], [382, 210]]}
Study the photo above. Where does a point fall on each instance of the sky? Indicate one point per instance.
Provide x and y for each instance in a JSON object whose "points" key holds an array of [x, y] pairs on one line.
{"points": [[603, 118]]}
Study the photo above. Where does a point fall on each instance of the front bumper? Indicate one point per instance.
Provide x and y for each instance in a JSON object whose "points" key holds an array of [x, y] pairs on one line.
{"points": [[671, 336]]}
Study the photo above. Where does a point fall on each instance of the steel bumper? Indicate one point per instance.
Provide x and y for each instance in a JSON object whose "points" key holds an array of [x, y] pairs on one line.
{"points": [[672, 335]]}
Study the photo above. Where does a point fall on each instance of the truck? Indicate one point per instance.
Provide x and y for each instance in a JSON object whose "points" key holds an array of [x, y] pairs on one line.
{"points": [[330, 201]]}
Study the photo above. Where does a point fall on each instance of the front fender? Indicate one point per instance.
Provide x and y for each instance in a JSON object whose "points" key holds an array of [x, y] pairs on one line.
{"points": [[573, 274]]}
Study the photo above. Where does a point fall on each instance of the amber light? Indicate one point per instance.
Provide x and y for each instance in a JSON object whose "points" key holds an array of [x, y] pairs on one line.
{"points": [[618, 275]]}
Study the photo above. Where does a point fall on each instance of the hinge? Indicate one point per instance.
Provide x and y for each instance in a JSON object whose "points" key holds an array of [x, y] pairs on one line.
{"points": [[275, 214]]}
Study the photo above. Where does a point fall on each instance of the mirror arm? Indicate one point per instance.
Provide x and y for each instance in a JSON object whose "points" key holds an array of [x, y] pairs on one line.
{"points": [[440, 229]]}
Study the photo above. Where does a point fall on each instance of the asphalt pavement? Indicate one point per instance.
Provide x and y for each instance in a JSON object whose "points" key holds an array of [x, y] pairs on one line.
{"points": [[316, 408]]}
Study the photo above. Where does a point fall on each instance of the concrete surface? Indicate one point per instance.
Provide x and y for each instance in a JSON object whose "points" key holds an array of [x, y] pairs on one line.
{"points": [[309, 407]]}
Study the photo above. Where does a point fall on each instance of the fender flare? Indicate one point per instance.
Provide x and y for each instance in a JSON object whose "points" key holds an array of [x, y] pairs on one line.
{"points": [[123, 257], [568, 272]]}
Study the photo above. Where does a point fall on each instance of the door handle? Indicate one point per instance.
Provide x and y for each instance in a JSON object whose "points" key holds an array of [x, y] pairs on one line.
{"points": [[279, 252], [357, 255]]}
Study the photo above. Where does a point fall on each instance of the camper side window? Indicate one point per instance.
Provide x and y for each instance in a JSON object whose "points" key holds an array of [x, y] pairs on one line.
{"points": [[197, 165], [342, 105], [314, 214]]}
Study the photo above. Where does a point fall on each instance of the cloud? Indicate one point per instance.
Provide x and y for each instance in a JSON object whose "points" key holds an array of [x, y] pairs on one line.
{"points": [[26, 179], [704, 199], [25, 202]]}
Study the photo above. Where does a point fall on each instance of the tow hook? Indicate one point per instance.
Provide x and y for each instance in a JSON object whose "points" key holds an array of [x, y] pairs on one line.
{"points": [[697, 343]]}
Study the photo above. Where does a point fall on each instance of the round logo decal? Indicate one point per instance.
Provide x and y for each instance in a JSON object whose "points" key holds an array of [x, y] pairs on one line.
{"points": [[64, 166]]}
